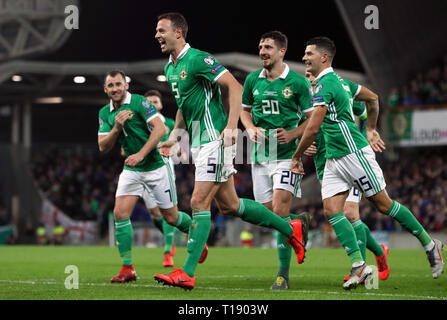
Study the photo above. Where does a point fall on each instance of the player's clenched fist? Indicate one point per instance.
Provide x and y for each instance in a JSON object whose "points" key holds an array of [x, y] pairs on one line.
{"points": [[121, 117]]}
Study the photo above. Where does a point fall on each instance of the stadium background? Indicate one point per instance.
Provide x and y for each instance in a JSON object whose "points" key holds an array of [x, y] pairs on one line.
{"points": [[52, 173]]}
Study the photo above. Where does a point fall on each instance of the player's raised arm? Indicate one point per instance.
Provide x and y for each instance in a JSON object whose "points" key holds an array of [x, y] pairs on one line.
{"points": [[235, 100]]}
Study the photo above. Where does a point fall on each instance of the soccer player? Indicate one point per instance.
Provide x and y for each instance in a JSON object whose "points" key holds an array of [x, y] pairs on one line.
{"points": [[351, 207], [127, 119], [273, 100], [350, 159], [168, 231], [195, 78]]}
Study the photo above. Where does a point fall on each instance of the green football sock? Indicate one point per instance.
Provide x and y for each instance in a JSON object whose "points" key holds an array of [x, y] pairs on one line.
{"points": [[183, 222], [284, 253], [197, 237], [168, 236], [256, 213], [371, 243], [159, 223], [346, 235], [361, 236], [124, 239], [409, 222]]}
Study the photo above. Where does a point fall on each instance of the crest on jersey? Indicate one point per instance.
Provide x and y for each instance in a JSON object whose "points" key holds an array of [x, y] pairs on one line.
{"points": [[287, 92], [131, 115], [318, 88], [209, 60], [183, 74]]}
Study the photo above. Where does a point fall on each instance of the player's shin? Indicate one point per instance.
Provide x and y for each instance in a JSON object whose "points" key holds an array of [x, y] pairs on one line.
{"points": [[124, 239], [408, 221], [198, 235], [346, 235]]}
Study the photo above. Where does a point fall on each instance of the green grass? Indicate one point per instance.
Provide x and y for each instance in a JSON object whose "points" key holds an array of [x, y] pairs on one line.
{"points": [[38, 273]]}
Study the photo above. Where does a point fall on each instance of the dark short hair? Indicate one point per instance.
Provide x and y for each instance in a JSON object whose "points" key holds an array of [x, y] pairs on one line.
{"points": [[114, 73], [177, 20], [278, 37], [152, 92], [323, 44]]}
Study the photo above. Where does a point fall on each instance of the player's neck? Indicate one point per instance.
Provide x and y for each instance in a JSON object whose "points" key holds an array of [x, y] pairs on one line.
{"points": [[275, 71], [118, 104], [176, 52]]}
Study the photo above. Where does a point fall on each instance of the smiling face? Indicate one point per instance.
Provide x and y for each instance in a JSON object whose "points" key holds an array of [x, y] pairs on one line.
{"points": [[270, 53], [167, 36], [313, 60], [115, 87]]}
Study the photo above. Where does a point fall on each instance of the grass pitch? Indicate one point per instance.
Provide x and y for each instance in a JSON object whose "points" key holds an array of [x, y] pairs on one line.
{"points": [[38, 273]]}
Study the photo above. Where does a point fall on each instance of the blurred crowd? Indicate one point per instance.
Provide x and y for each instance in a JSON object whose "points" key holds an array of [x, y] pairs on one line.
{"points": [[425, 88], [82, 183]]}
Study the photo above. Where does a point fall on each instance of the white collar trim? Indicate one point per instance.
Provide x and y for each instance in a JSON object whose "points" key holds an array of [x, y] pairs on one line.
{"points": [[182, 53], [126, 101], [283, 74], [322, 73]]}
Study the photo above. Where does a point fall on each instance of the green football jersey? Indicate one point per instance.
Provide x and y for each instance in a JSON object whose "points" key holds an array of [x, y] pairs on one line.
{"points": [[359, 110], [170, 123], [341, 134], [276, 104], [193, 82], [136, 130]]}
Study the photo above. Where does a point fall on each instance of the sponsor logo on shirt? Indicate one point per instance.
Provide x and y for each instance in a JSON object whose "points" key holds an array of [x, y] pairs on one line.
{"points": [[256, 92]]}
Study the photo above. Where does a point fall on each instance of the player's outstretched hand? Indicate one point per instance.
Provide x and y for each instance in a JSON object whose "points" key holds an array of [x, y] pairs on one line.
{"points": [[296, 166], [133, 160], [165, 148], [375, 141], [311, 151]]}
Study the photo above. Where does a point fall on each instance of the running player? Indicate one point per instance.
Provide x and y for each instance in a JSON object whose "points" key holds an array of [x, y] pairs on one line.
{"points": [[350, 159], [351, 207], [127, 119], [273, 101], [168, 231], [195, 78]]}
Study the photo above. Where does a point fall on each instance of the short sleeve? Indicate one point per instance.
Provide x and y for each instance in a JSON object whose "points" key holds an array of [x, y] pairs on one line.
{"points": [[305, 98], [104, 126], [146, 110], [207, 66], [247, 94], [323, 95]]}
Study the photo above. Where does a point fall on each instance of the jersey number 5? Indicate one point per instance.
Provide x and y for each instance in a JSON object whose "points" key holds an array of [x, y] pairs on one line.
{"points": [[175, 90]]}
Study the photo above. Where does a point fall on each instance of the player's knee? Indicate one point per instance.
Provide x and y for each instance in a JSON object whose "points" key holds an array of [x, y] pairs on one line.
{"points": [[119, 214], [199, 203]]}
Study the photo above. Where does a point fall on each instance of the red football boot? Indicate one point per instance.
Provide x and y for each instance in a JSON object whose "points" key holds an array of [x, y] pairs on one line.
{"points": [[127, 274], [382, 264], [177, 278], [296, 240], [204, 254]]}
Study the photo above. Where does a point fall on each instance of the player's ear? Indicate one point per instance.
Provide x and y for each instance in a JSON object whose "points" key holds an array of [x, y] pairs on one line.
{"points": [[126, 86]]}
